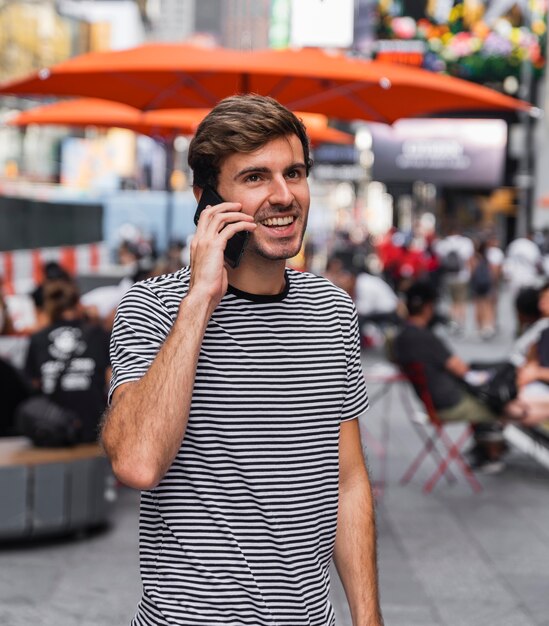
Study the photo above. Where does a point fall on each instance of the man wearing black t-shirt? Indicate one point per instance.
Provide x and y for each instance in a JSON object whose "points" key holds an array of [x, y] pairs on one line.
{"points": [[445, 373]]}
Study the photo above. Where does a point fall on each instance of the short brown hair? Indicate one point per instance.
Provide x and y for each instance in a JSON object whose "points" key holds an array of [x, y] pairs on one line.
{"points": [[244, 124]]}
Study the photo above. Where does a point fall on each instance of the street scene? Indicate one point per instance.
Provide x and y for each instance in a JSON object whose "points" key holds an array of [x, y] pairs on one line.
{"points": [[274, 313], [451, 557]]}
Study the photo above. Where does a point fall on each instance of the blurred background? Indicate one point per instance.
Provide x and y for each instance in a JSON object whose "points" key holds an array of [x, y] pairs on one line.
{"points": [[100, 206]]}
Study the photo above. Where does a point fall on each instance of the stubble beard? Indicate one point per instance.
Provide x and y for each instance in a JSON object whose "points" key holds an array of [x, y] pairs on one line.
{"points": [[285, 250]]}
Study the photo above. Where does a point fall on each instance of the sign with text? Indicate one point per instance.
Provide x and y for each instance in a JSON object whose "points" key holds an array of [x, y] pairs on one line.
{"points": [[451, 152]]}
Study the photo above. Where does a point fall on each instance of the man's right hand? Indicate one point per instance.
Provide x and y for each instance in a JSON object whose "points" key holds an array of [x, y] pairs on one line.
{"points": [[217, 224]]}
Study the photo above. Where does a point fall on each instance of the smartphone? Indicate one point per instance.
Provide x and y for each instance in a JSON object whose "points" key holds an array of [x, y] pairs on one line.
{"points": [[237, 243]]}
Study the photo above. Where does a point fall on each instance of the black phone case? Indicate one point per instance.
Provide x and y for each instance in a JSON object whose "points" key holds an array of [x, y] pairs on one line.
{"points": [[237, 243]]}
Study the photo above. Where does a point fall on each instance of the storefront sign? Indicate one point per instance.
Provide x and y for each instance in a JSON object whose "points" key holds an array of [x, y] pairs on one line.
{"points": [[451, 152]]}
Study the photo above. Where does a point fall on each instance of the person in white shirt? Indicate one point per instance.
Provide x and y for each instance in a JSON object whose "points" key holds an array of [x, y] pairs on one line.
{"points": [[457, 277]]}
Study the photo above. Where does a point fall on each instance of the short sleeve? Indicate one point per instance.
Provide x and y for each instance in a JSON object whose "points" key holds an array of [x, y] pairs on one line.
{"points": [[141, 325], [356, 396], [437, 349]]}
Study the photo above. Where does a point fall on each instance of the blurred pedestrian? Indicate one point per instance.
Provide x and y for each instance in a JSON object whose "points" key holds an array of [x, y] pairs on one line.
{"points": [[522, 265], [456, 252], [337, 273], [52, 271], [496, 258], [76, 353], [6, 323], [483, 282], [234, 401], [527, 308]]}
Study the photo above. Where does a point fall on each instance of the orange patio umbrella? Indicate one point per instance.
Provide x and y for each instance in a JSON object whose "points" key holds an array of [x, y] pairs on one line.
{"points": [[167, 76], [163, 124]]}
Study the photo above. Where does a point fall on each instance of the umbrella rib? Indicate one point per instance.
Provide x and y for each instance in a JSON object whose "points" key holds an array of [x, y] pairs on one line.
{"points": [[347, 91], [279, 86], [185, 80]]}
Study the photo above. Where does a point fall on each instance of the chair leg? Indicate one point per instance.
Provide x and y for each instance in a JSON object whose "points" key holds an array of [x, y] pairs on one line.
{"points": [[453, 454], [380, 446], [405, 393], [429, 447]]}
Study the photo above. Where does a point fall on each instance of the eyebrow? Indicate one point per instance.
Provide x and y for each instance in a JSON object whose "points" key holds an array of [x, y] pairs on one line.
{"points": [[267, 170]]}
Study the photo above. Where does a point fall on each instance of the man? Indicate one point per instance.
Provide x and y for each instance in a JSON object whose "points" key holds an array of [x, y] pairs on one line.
{"points": [[235, 395], [445, 374]]}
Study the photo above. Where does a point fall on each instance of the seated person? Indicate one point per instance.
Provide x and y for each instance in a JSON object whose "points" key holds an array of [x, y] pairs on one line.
{"points": [[527, 308], [532, 402], [52, 271], [531, 334], [339, 275], [83, 383], [376, 301], [7, 326], [446, 373], [13, 390]]}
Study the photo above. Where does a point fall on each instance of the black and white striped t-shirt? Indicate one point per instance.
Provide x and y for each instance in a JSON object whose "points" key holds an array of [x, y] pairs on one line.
{"points": [[240, 531]]}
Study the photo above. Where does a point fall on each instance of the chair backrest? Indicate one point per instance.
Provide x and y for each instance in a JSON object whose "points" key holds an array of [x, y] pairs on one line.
{"points": [[415, 373]]}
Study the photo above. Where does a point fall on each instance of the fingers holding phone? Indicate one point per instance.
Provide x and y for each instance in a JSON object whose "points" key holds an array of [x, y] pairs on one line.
{"points": [[210, 203], [221, 236]]}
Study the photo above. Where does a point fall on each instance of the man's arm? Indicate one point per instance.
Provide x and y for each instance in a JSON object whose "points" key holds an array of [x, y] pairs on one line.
{"points": [[355, 546], [456, 366], [143, 430], [144, 427]]}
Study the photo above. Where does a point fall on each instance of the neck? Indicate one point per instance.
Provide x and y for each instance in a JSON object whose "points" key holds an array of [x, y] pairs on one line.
{"points": [[69, 316], [262, 278], [419, 320]]}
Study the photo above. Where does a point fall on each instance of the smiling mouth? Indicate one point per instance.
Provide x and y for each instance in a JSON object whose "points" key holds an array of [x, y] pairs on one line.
{"points": [[278, 221]]}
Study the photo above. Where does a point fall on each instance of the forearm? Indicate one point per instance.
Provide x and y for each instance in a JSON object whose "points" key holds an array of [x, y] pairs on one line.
{"points": [[355, 552], [143, 430], [543, 374]]}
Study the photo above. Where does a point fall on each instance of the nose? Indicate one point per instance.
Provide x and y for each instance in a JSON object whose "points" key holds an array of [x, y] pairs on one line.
{"points": [[280, 193]]}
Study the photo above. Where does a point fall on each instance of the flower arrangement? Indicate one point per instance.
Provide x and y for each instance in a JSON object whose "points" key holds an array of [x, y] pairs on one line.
{"points": [[468, 44]]}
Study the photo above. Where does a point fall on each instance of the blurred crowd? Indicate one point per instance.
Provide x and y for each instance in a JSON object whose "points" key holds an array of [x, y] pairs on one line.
{"points": [[400, 281], [466, 271], [463, 271], [66, 345]]}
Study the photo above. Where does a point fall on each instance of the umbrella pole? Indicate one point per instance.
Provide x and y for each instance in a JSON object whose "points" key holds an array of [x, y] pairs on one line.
{"points": [[170, 197]]}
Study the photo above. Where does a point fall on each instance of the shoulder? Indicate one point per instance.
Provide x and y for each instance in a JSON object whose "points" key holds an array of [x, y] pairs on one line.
{"points": [[158, 291], [176, 283], [318, 289]]}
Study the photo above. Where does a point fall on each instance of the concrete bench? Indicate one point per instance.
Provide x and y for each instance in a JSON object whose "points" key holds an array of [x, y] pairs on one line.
{"points": [[52, 491]]}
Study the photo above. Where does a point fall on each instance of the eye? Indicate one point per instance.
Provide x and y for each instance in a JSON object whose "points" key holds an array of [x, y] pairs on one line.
{"points": [[293, 174], [252, 178]]}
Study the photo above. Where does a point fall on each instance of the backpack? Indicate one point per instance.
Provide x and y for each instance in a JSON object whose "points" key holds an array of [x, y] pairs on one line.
{"points": [[500, 389], [452, 262], [481, 278]]}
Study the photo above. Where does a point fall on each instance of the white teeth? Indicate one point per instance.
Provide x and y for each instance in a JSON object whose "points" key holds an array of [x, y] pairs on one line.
{"points": [[278, 221]]}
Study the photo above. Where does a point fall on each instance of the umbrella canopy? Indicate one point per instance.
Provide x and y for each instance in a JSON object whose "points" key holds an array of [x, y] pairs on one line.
{"points": [[166, 76], [163, 123]]}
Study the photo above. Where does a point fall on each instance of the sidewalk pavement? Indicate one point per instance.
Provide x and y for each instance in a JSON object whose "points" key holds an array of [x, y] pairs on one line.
{"points": [[450, 558]]}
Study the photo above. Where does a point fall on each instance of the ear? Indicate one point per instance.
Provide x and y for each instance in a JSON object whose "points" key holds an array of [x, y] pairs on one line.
{"points": [[197, 191]]}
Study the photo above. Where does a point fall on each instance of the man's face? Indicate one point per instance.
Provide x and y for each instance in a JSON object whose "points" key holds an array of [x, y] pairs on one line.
{"points": [[271, 184]]}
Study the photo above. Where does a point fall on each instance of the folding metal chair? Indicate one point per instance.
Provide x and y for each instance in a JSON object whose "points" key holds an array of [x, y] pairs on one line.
{"points": [[436, 440], [385, 380]]}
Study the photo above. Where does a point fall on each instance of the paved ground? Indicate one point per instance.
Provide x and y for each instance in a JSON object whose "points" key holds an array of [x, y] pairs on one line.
{"points": [[451, 558]]}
